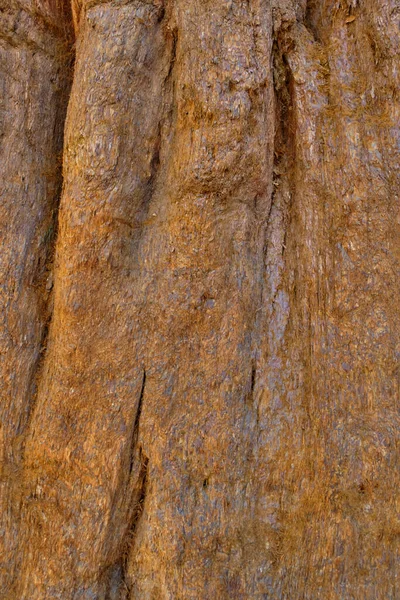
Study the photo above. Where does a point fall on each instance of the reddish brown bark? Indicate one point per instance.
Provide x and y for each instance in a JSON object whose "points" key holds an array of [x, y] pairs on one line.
{"points": [[217, 409], [34, 73]]}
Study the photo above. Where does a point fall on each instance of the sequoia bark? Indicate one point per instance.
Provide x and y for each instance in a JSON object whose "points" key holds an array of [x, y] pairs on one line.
{"points": [[217, 411], [35, 61]]}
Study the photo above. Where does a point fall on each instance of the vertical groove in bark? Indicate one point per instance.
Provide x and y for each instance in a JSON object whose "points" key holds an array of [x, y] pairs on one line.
{"points": [[203, 291], [35, 45], [237, 236], [137, 513], [135, 432], [321, 542], [91, 389]]}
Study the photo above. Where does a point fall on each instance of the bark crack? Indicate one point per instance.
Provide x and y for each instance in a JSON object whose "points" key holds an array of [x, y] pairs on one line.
{"points": [[135, 431], [127, 509], [252, 383], [155, 163], [125, 586], [284, 148], [140, 488]]}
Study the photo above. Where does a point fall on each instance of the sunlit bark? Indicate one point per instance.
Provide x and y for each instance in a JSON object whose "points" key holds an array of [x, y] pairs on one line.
{"points": [[216, 410]]}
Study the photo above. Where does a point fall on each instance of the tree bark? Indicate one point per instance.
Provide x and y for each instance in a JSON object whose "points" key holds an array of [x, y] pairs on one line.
{"points": [[216, 409], [35, 58]]}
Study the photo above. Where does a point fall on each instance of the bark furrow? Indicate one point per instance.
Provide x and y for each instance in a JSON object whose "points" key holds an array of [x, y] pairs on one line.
{"points": [[217, 409], [35, 63]]}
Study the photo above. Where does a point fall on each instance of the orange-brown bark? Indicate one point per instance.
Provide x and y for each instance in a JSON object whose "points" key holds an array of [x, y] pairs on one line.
{"points": [[217, 409], [35, 78]]}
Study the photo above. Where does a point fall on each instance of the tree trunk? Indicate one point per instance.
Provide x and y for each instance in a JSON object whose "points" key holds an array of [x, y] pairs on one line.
{"points": [[214, 411], [35, 56]]}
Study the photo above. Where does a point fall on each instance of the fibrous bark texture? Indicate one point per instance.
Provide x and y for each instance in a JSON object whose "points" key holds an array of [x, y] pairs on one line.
{"points": [[34, 82], [199, 348]]}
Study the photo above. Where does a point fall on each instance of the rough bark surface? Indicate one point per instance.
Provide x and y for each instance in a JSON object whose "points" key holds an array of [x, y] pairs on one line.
{"points": [[35, 64], [207, 404]]}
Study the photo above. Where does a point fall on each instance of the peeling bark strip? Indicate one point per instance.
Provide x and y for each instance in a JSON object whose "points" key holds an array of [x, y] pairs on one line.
{"points": [[229, 218]]}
